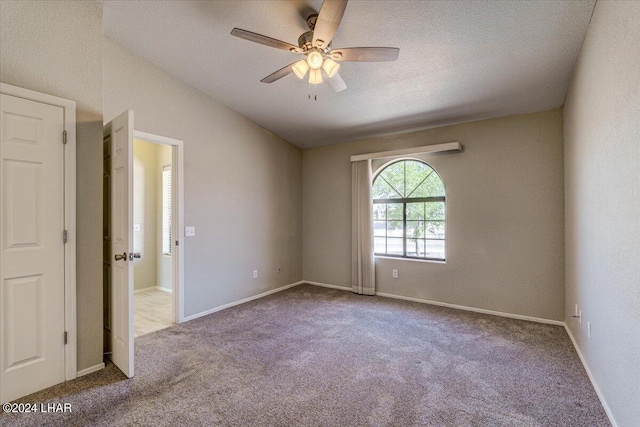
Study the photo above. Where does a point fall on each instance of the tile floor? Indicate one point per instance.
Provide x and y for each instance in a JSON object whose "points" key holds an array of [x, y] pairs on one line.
{"points": [[152, 311]]}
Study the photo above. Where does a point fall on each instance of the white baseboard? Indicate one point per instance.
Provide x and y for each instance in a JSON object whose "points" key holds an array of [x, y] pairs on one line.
{"points": [[607, 410], [153, 288], [90, 370], [444, 304], [474, 309], [242, 301], [326, 285]]}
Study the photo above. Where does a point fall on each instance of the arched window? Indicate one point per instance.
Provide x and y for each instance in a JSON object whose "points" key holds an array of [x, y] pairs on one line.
{"points": [[409, 211]]}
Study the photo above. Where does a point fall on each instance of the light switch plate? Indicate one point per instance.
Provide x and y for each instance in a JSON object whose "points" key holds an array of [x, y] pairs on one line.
{"points": [[189, 231]]}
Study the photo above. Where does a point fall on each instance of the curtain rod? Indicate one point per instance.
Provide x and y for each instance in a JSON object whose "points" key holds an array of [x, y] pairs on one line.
{"points": [[425, 149]]}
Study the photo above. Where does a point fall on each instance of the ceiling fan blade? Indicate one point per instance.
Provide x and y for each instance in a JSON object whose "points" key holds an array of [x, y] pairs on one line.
{"points": [[267, 41], [282, 72], [336, 83], [365, 54], [328, 21]]}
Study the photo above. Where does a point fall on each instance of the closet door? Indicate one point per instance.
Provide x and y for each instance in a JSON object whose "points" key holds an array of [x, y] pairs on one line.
{"points": [[32, 310]]}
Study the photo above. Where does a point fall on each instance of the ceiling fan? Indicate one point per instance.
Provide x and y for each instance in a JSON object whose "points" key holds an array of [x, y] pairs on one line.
{"points": [[315, 44]]}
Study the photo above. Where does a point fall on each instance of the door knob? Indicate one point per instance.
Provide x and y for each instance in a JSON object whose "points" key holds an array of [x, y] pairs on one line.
{"points": [[123, 256]]}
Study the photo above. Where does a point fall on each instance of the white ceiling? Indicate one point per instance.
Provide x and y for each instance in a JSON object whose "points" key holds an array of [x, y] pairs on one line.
{"points": [[459, 60]]}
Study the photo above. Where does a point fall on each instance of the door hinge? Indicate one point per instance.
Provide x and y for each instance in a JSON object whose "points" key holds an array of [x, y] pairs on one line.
{"points": [[177, 243], [65, 337], [64, 136], [64, 236]]}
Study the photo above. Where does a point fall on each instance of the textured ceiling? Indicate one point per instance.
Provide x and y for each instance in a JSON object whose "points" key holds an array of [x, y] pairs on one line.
{"points": [[459, 60]]}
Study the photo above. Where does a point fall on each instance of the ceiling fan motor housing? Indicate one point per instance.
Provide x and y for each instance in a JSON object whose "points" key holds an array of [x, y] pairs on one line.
{"points": [[311, 21], [305, 41]]}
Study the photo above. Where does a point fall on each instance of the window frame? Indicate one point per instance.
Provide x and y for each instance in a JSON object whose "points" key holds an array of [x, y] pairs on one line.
{"points": [[405, 201], [167, 209]]}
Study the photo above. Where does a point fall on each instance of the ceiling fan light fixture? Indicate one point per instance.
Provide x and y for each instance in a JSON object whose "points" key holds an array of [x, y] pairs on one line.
{"points": [[330, 67], [315, 60], [315, 77], [316, 46], [300, 68]]}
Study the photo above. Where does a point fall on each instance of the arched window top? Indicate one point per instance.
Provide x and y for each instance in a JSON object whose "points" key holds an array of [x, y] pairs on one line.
{"points": [[407, 179]]}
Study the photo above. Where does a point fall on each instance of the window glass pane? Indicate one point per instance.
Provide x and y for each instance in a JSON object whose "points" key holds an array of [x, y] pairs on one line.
{"points": [[395, 246], [379, 245], [435, 249], [415, 211], [395, 229], [395, 211], [415, 229], [416, 173], [431, 187], [394, 175], [379, 228], [382, 190], [415, 247], [434, 210], [379, 211], [166, 210], [435, 230]]}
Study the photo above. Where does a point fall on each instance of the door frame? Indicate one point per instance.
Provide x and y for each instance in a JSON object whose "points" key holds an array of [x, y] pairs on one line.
{"points": [[69, 108], [177, 228]]}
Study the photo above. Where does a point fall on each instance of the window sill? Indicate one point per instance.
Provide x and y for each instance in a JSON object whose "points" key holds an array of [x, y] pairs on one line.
{"points": [[431, 261]]}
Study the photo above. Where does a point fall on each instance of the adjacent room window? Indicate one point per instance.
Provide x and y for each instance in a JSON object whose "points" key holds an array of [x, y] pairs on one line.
{"points": [[166, 210], [409, 211]]}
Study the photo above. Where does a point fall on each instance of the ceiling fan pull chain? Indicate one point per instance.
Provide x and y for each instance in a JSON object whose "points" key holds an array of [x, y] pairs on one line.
{"points": [[315, 95]]}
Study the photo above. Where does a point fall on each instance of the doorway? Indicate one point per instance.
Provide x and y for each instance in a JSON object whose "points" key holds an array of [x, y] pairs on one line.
{"points": [[152, 240], [126, 239]]}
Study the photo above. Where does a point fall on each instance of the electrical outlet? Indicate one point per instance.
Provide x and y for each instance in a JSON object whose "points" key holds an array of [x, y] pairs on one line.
{"points": [[136, 227], [255, 274], [589, 329], [189, 231], [580, 316], [394, 274]]}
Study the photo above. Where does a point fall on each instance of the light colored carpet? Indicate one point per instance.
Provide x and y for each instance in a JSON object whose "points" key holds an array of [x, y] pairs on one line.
{"points": [[152, 311], [312, 356]]}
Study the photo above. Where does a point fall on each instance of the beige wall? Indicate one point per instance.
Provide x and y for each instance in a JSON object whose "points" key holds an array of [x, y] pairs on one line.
{"points": [[602, 199], [56, 48], [146, 180], [242, 183], [504, 217]]}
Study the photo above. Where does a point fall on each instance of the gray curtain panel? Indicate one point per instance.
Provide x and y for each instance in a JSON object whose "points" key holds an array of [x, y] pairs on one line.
{"points": [[363, 261]]}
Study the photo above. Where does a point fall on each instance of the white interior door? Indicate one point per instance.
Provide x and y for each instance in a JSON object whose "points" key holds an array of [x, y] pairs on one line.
{"points": [[120, 133], [32, 247]]}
